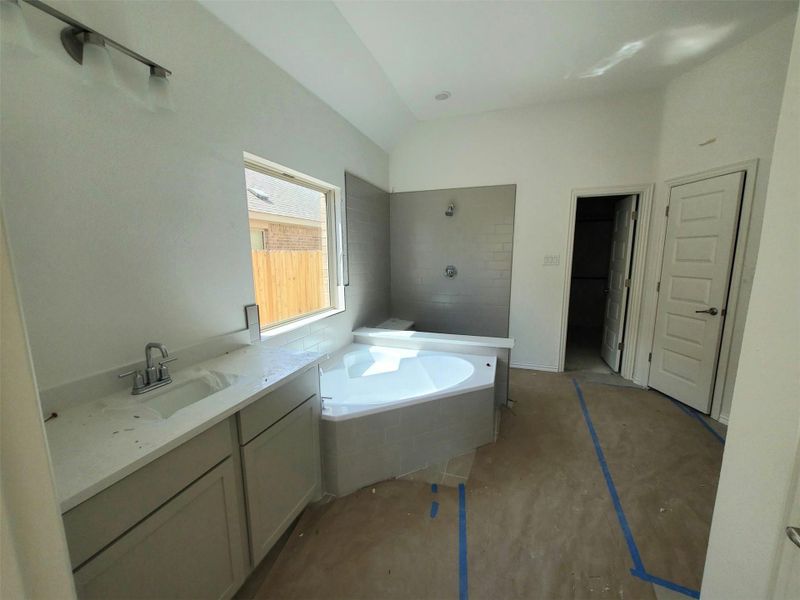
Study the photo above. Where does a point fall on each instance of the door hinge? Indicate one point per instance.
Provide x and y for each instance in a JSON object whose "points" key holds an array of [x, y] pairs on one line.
{"points": [[666, 212], [724, 312], [620, 346], [627, 283], [658, 287], [650, 357], [634, 215]]}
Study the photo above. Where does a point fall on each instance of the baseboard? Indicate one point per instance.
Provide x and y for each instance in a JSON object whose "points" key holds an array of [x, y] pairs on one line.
{"points": [[723, 419], [532, 367]]}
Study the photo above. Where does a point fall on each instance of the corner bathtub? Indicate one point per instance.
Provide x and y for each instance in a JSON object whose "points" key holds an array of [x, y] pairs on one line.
{"points": [[389, 411], [363, 380]]}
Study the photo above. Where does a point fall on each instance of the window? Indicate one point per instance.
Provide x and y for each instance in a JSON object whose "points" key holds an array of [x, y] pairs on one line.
{"points": [[258, 239], [294, 246]]}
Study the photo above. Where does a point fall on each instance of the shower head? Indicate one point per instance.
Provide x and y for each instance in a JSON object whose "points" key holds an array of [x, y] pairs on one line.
{"points": [[450, 209]]}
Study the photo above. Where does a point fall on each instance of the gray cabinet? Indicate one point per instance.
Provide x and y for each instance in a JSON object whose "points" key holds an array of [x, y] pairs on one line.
{"points": [[176, 528], [96, 523], [189, 548], [281, 474]]}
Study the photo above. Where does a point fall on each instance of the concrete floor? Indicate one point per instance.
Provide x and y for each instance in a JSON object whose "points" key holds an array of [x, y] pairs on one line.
{"points": [[540, 519], [583, 350]]}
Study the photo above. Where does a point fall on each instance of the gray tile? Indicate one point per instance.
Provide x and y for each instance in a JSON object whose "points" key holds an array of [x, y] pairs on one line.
{"points": [[453, 480], [429, 474], [460, 466]]}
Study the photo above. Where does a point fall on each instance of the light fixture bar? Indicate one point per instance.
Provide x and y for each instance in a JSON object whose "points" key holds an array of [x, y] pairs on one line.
{"points": [[69, 38]]}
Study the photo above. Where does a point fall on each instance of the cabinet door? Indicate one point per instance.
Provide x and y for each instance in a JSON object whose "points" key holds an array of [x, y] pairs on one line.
{"points": [[281, 475], [189, 548]]}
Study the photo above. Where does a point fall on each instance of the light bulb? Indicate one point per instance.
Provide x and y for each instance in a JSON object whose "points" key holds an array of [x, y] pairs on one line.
{"points": [[15, 33], [159, 94], [97, 67]]}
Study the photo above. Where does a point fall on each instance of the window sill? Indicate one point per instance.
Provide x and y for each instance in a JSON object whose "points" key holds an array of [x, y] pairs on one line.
{"points": [[274, 332]]}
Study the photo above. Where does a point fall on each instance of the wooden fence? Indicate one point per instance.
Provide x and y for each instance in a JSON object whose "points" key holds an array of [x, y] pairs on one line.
{"points": [[288, 284]]}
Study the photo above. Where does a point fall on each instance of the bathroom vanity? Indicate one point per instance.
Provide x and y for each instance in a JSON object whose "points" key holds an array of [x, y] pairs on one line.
{"points": [[185, 506]]}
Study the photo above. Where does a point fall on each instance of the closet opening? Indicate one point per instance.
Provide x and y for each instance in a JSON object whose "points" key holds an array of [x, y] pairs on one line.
{"points": [[600, 282]]}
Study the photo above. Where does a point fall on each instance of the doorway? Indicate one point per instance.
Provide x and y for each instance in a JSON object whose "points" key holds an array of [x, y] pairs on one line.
{"points": [[600, 282]]}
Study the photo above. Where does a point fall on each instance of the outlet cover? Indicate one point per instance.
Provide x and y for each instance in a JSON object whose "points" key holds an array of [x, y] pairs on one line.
{"points": [[552, 260]]}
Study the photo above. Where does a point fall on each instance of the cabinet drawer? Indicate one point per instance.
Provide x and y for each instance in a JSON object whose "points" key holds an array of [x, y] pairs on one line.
{"points": [[281, 475], [268, 410], [189, 548], [94, 524]]}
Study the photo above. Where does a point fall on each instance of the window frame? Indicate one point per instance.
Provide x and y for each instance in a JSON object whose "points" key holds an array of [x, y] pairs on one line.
{"points": [[336, 234]]}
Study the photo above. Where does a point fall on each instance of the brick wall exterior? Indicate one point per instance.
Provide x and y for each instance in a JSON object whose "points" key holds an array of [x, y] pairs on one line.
{"points": [[286, 237]]}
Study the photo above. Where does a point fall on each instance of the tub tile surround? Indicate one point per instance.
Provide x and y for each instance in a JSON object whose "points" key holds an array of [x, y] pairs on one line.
{"points": [[361, 451], [477, 239], [92, 448], [369, 266], [449, 473]]}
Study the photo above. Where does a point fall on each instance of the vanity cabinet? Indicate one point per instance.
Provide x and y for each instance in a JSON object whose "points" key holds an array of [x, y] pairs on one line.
{"points": [[173, 529], [282, 463], [188, 548], [195, 521]]}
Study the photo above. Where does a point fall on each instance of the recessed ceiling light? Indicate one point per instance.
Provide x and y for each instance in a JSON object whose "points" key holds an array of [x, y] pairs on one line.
{"points": [[443, 95]]}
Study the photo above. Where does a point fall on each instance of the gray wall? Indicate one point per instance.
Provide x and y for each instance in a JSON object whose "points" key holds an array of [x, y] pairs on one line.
{"points": [[477, 240], [368, 251]]}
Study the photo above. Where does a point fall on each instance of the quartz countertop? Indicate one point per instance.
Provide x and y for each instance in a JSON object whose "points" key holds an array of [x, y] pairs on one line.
{"points": [[97, 443]]}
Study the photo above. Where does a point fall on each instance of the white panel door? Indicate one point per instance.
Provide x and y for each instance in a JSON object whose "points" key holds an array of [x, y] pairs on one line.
{"points": [[698, 253], [617, 286], [787, 581]]}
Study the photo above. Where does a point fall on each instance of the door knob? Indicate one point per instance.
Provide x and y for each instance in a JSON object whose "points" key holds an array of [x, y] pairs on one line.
{"points": [[793, 533], [711, 311]]}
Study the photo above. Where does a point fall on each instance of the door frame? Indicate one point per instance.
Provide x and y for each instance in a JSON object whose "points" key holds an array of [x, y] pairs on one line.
{"points": [[632, 318], [735, 312]]}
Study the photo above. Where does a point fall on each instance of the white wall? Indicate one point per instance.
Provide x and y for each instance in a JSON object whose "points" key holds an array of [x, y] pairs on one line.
{"points": [[735, 98], [764, 432], [550, 150], [547, 151], [128, 226], [34, 561]]}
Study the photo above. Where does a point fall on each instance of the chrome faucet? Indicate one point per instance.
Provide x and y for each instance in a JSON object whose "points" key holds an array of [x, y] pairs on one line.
{"points": [[152, 376]]}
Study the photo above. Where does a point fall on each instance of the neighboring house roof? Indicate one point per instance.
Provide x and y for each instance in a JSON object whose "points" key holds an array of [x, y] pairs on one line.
{"points": [[278, 197]]}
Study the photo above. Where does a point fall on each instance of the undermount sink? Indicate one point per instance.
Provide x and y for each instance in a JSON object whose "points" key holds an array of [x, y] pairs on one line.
{"points": [[165, 402]]}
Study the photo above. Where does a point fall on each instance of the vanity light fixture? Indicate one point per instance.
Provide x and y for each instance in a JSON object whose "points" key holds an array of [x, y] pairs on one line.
{"points": [[90, 49]]}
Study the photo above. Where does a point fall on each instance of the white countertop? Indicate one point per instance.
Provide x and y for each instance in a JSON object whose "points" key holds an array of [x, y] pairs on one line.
{"points": [[93, 444]]}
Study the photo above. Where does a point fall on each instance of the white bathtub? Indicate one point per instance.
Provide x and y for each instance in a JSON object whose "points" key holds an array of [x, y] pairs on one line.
{"points": [[363, 379]]}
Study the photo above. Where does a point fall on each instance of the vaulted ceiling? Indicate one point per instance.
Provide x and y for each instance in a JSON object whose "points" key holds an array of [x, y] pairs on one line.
{"points": [[380, 64]]}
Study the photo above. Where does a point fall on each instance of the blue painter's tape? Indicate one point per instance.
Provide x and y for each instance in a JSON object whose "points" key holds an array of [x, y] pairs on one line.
{"points": [[670, 585], [463, 587], [434, 509], [434, 488], [638, 569], [695, 415], [612, 490]]}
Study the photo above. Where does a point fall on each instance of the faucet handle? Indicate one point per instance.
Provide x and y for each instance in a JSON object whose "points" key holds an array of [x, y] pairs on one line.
{"points": [[138, 378], [163, 370]]}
